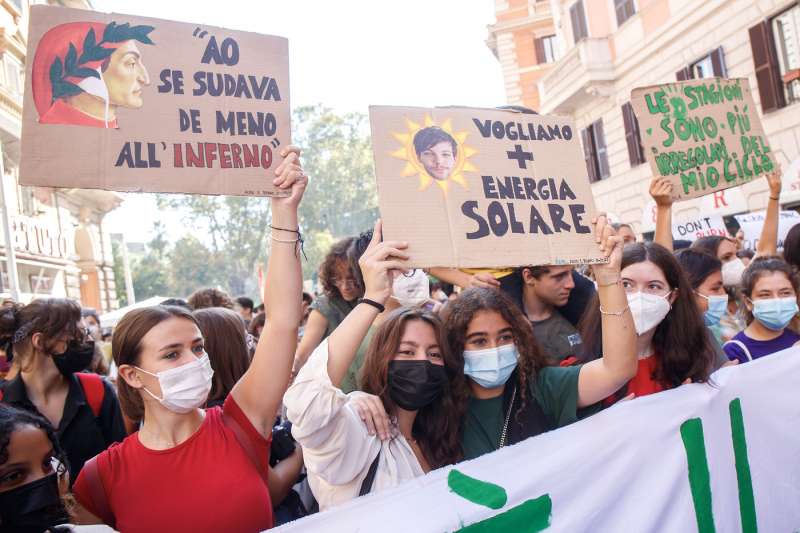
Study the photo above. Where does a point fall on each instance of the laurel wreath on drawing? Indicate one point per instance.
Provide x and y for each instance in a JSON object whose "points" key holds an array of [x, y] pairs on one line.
{"points": [[72, 66]]}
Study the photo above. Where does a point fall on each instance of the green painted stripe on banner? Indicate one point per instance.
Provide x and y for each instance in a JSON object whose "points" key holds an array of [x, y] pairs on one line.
{"points": [[477, 491], [699, 476], [530, 516], [747, 502]]}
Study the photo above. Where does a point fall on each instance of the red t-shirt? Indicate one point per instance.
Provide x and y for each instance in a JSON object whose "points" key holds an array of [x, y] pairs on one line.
{"points": [[206, 483], [643, 383]]}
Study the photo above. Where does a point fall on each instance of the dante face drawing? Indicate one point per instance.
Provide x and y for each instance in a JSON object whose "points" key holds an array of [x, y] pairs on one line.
{"points": [[126, 76], [84, 71]]}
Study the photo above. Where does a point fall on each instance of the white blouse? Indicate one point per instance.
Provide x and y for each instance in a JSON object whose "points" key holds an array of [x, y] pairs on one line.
{"points": [[337, 449]]}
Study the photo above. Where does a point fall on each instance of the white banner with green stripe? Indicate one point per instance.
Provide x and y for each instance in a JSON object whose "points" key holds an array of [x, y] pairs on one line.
{"points": [[718, 457]]}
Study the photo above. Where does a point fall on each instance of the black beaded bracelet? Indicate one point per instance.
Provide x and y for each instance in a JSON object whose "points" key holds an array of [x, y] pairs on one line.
{"points": [[373, 303]]}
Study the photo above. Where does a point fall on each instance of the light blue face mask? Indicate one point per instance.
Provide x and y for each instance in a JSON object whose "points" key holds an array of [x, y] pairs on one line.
{"points": [[717, 307], [775, 313], [491, 368]]}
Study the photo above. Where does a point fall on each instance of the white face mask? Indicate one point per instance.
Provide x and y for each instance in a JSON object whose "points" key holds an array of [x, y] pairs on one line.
{"points": [[491, 367], [648, 310], [732, 272], [411, 290], [186, 387]]}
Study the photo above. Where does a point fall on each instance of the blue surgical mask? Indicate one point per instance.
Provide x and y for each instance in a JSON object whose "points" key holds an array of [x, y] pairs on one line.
{"points": [[775, 313], [717, 307], [491, 368]]}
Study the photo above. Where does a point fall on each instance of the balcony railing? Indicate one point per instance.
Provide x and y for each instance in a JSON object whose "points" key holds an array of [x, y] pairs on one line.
{"points": [[582, 74]]}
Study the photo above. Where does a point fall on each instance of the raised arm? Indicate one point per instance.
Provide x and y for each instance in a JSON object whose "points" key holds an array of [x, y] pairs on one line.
{"points": [[600, 378], [768, 242], [461, 279], [260, 389], [377, 265], [661, 191], [314, 334]]}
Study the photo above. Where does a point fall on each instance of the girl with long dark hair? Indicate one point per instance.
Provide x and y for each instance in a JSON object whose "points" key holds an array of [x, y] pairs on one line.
{"points": [[410, 373], [671, 341], [704, 273]]}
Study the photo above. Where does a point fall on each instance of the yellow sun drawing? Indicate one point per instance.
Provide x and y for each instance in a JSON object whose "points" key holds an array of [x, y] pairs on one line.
{"points": [[414, 166]]}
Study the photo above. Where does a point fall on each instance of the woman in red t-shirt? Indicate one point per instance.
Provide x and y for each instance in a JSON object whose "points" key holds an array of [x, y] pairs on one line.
{"points": [[671, 341], [189, 469]]}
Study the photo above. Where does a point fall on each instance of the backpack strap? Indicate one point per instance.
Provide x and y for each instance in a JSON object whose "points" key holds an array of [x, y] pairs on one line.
{"points": [[741, 346], [366, 485], [97, 492], [246, 444], [93, 390]]}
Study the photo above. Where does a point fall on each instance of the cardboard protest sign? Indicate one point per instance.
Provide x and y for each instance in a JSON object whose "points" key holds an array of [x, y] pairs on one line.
{"points": [[482, 187], [701, 226], [128, 103], [752, 224], [705, 135]]}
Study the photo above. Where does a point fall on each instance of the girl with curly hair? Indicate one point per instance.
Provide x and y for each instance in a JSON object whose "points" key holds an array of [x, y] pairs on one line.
{"points": [[504, 391], [341, 293]]}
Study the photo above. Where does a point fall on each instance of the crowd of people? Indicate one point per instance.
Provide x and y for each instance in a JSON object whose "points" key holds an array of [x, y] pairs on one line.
{"points": [[214, 414]]}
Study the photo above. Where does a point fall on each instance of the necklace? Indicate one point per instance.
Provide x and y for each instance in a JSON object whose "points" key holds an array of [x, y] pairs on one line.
{"points": [[503, 435]]}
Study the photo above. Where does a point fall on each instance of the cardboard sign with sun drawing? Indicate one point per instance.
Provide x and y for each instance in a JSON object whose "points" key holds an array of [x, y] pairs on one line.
{"points": [[490, 188]]}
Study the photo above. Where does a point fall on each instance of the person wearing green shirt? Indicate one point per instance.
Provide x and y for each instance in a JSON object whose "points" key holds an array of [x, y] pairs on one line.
{"points": [[507, 392], [512, 393]]}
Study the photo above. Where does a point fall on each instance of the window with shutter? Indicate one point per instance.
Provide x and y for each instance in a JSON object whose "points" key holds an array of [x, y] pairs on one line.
{"points": [[709, 66], [633, 137], [770, 87], [546, 49], [589, 154], [684, 74], [625, 9], [786, 33], [12, 74], [601, 151], [538, 45], [702, 68], [578, 18], [718, 63], [550, 48]]}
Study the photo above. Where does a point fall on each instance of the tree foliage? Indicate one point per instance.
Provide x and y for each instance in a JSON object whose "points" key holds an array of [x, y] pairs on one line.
{"points": [[227, 236], [119, 273]]}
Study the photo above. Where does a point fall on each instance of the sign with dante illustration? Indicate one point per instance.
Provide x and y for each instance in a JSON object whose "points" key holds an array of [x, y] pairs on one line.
{"points": [[490, 188], [128, 103], [704, 135]]}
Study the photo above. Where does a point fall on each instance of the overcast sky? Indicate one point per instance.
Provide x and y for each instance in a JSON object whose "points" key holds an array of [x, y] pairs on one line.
{"points": [[347, 55]]}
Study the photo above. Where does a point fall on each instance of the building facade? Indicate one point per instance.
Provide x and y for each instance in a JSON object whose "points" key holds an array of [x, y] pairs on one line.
{"points": [[524, 40], [609, 47], [61, 246]]}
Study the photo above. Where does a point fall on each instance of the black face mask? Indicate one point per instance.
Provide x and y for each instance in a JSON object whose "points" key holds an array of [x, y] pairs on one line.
{"points": [[33, 508], [415, 384], [78, 357]]}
